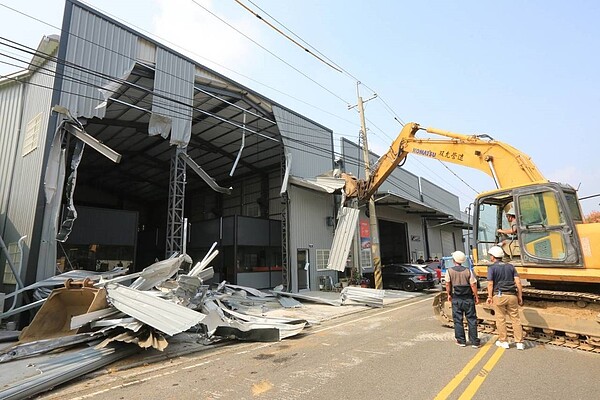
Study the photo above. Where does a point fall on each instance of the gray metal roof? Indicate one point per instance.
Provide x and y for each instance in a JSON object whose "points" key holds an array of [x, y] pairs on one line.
{"points": [[214, 144]]}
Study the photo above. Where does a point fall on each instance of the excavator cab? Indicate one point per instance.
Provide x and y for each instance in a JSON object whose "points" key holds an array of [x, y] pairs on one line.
{"points": [[546, 218]]}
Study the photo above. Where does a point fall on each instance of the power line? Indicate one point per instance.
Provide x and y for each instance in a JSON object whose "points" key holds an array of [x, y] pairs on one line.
{"points": [[177, 77], [269, 51], [286, 36], [149, 91]]}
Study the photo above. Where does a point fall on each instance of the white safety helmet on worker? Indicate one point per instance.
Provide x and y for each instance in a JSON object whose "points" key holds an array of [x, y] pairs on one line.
{"points": [[496, 251], [510, 209], [459, 256]]}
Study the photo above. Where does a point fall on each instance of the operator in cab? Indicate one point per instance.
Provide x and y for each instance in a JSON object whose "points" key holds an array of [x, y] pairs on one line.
{"points": [[509, 244], [512, 221]]}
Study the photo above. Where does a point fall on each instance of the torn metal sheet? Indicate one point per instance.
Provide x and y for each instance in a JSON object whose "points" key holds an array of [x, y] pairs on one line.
{"points": [[289, 302], [145, 338], [369, 297], [78, 321], [174, 94], [221, 321], [203, 175], [77, 275], [252, 291], [342, 239], [200, 266], [320, 183], [308, 298], [214, 316], [43, 346], [22, 308], [130, 324], [54, 178], [287, 327], [65, 368], [163, 315], [206, 274], [159, 272]]}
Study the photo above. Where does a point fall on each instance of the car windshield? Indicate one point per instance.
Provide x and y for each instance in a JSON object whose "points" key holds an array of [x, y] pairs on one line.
{"points": [[415, 270]]}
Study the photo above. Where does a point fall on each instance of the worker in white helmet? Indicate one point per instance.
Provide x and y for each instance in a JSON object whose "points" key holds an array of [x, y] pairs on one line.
{"points": [[461, 288], [505, 292], [512, 221]]}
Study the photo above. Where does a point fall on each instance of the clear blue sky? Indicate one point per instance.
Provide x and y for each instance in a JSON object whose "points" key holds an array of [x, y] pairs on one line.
{"points": [[525, 73]]}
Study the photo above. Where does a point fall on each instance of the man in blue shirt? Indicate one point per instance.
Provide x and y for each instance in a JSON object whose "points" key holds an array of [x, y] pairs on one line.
{"points": [[461, 288], [506, 294]]}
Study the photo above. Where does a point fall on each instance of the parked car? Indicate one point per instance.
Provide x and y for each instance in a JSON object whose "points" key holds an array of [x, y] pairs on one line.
{"points": [[406, 277], [429, 270]]}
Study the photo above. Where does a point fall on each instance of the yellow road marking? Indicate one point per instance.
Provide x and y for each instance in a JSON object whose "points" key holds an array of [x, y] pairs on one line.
{"points": [[453, 384], [478, 380]]}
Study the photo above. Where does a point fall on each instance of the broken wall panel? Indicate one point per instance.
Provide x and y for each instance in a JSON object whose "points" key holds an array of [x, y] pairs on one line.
{"points": [[174, 94], [160, 314], [342, 240], [97, 49], [300, 138], [11, 94]]}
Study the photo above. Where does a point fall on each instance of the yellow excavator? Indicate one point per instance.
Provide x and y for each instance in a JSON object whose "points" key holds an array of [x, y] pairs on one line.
{"points": [[553, 249]]}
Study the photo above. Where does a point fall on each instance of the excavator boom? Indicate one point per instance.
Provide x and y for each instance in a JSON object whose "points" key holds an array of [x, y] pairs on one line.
{"points": [[552, 248], [495, 158]]}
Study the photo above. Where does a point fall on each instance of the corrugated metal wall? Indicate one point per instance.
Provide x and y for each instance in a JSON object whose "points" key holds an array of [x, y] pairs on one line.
{"points": [[95, 45], [311, 145], [440, 199], [28, 169], [10, 118], [308, 221], [353, 158], [400, 182]]}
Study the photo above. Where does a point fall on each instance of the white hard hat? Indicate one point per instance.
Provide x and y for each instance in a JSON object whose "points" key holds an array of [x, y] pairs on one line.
{"points": [[496, 251], [510, 209], [459, 256]]}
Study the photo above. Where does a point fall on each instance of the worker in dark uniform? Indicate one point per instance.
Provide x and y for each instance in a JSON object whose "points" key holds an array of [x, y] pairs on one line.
{"points": [[461, 287], [505, 292]]}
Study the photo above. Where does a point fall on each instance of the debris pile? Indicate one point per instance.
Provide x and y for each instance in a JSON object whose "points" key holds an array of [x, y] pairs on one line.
{"points": [[113, 319]]}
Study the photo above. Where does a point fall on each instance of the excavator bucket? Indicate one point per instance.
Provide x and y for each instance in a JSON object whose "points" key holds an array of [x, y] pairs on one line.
{"points": [[54, 317]]}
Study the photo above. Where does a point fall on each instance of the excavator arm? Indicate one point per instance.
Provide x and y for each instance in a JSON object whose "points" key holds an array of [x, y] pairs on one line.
{"points": [[505, 164]]}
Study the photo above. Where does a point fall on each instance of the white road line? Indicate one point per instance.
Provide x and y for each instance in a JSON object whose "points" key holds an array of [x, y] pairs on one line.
{"points": [[200, 364]]}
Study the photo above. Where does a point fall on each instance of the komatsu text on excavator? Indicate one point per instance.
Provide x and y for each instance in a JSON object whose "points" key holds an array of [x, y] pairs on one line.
{"points": [[552, 248]]}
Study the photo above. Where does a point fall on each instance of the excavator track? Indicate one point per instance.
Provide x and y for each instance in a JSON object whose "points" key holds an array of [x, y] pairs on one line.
{"points": [[567, 319]]}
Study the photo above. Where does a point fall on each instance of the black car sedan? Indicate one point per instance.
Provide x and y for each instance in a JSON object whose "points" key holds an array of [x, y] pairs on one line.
{"points": [[405, 277]]}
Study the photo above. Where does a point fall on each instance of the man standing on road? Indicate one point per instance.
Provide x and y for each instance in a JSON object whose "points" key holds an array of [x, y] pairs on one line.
{"points": [[461, 287], [506, 294]]}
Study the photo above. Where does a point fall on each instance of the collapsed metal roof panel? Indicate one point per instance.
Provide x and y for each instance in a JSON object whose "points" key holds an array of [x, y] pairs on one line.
{"points": [[320, 183], [163, 315]]}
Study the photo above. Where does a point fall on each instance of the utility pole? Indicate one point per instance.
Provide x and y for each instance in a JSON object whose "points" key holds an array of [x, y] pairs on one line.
{"points": [[375, 253]]}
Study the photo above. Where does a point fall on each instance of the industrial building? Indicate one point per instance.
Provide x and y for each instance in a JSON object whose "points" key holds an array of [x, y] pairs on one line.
{"points": [[118, 151]]}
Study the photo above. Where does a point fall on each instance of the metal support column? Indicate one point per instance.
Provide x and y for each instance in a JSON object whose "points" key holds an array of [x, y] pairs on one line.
{"points": [[175, 221], [285, 273]]}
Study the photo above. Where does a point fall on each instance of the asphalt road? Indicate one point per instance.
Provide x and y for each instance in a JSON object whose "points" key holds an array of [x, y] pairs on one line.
{"points": [[399, 352]]}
